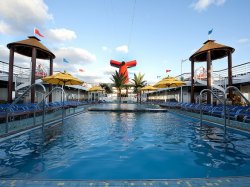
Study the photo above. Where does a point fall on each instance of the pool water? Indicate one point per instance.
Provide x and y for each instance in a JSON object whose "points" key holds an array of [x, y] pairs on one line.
{"points": [[107, 145]]}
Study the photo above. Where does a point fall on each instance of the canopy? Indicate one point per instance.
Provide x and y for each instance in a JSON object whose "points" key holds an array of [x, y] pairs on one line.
{"points": [[169, 82], [24, 47], [148, 88], [96, 89], [217, 51], [62, 78]]}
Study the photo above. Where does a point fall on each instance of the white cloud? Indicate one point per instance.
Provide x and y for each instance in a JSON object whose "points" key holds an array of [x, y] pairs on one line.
{"points": [[201, 5], [243, 40], [122, 48], [5, 28], [19, 16], [61, 34], [19, 60], [77, 58]]}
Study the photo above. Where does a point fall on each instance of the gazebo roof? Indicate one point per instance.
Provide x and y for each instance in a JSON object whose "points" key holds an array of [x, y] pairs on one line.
{"points": [[24, 47], [217, 51]]}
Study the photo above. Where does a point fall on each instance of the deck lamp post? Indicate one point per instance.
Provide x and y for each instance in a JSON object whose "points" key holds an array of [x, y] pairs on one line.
{"points": [[183, 60]]}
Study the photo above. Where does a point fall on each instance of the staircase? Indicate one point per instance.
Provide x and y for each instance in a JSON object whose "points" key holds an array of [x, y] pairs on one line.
{"points": [[21, 88]]}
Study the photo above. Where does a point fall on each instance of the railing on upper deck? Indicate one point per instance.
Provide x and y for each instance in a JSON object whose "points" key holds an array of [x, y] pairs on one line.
{"points": [[238, 70], [21, 74]]}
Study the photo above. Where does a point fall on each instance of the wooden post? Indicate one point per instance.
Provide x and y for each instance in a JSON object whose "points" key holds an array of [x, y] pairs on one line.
{"points": [[33, 72], [192, 81], [230, 80], [50, 73], [10, 78], [209, 82]]}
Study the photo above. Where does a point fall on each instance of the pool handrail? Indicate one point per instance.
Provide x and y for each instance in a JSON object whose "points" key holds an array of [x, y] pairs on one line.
{"points": [[44, 100], [237, 90], [18, 99], [223, 103]]}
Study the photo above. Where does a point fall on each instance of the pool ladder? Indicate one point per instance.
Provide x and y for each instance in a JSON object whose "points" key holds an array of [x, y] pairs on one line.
{"points": [[8, 110], [226, 115]]}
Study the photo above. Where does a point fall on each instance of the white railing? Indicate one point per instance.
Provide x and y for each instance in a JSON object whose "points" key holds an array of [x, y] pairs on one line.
{"points": [[21, 74], [237, 70], [17, 70], [184, 77]]}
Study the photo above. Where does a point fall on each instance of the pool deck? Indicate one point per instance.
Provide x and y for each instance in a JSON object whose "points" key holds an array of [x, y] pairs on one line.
{"points": [[194, 182]]}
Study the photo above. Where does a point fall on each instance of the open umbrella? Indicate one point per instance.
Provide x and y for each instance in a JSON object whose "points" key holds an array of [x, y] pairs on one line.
{"points": [[63, 79], [169, 82], [148, 88], [96, 89]]}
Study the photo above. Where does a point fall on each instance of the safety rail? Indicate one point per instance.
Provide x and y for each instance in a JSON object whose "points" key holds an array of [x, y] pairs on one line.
{"points": [[236, 70], [224, 101], [8, 110], [238, 91], [44, 100], [4, 68], [201, 112], [184, 77], [219, 80]]}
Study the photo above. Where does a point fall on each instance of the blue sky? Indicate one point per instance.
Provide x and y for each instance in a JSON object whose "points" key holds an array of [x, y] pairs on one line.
{"points": [[156, 33]]}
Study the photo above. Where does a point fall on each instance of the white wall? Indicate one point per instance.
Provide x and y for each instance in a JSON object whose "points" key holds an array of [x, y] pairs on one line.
{"points": [[3, 94]]}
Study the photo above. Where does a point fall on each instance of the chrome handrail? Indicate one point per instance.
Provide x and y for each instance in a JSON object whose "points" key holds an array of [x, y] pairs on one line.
{"points": [[236, 89], [44, 99], [223, 102], [18, 99]]}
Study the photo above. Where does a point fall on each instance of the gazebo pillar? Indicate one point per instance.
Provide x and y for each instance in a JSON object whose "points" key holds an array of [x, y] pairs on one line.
{"points": [[10, 78], [230, 81], [33, 74], [209, 77], [50, 73], [192, 81]]}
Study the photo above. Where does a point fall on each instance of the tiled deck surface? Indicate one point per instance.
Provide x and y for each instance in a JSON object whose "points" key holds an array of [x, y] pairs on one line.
{"points": [[216, 182]]}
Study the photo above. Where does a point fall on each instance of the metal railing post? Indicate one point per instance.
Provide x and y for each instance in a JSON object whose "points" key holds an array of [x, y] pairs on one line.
{"points": [[44, 98], [18, 99], [43, 118], [223, 102]]}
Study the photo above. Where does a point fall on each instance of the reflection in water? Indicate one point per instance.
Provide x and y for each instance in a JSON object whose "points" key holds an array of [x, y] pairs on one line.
{"points": [[216, 151], [27, 148], [123, 127], [107, 145]]}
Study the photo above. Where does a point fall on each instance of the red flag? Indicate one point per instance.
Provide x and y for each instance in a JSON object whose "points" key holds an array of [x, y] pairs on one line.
{"points": [[36, 31], [81, 70], [168, 70]]}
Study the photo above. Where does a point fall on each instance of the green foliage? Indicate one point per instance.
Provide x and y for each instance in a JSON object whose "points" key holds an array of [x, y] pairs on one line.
{"points": [[138, 84], [107, 87], [119, 82]]}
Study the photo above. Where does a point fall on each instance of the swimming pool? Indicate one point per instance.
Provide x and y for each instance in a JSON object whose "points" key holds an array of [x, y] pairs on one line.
{"points": [[108, 145]]}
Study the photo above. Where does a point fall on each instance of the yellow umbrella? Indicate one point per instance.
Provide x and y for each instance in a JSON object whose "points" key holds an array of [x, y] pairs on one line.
{"points": [[96, 89], [62, 78], [148, 88], [169, 82]]}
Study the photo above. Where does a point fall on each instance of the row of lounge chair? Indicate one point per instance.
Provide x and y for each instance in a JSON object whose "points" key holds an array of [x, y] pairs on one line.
{"points": [[27, 109], [240, 113]]}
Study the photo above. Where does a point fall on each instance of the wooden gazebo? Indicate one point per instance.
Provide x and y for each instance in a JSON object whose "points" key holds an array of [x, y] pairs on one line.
{"points": [[31, 47], [208, 52]]}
